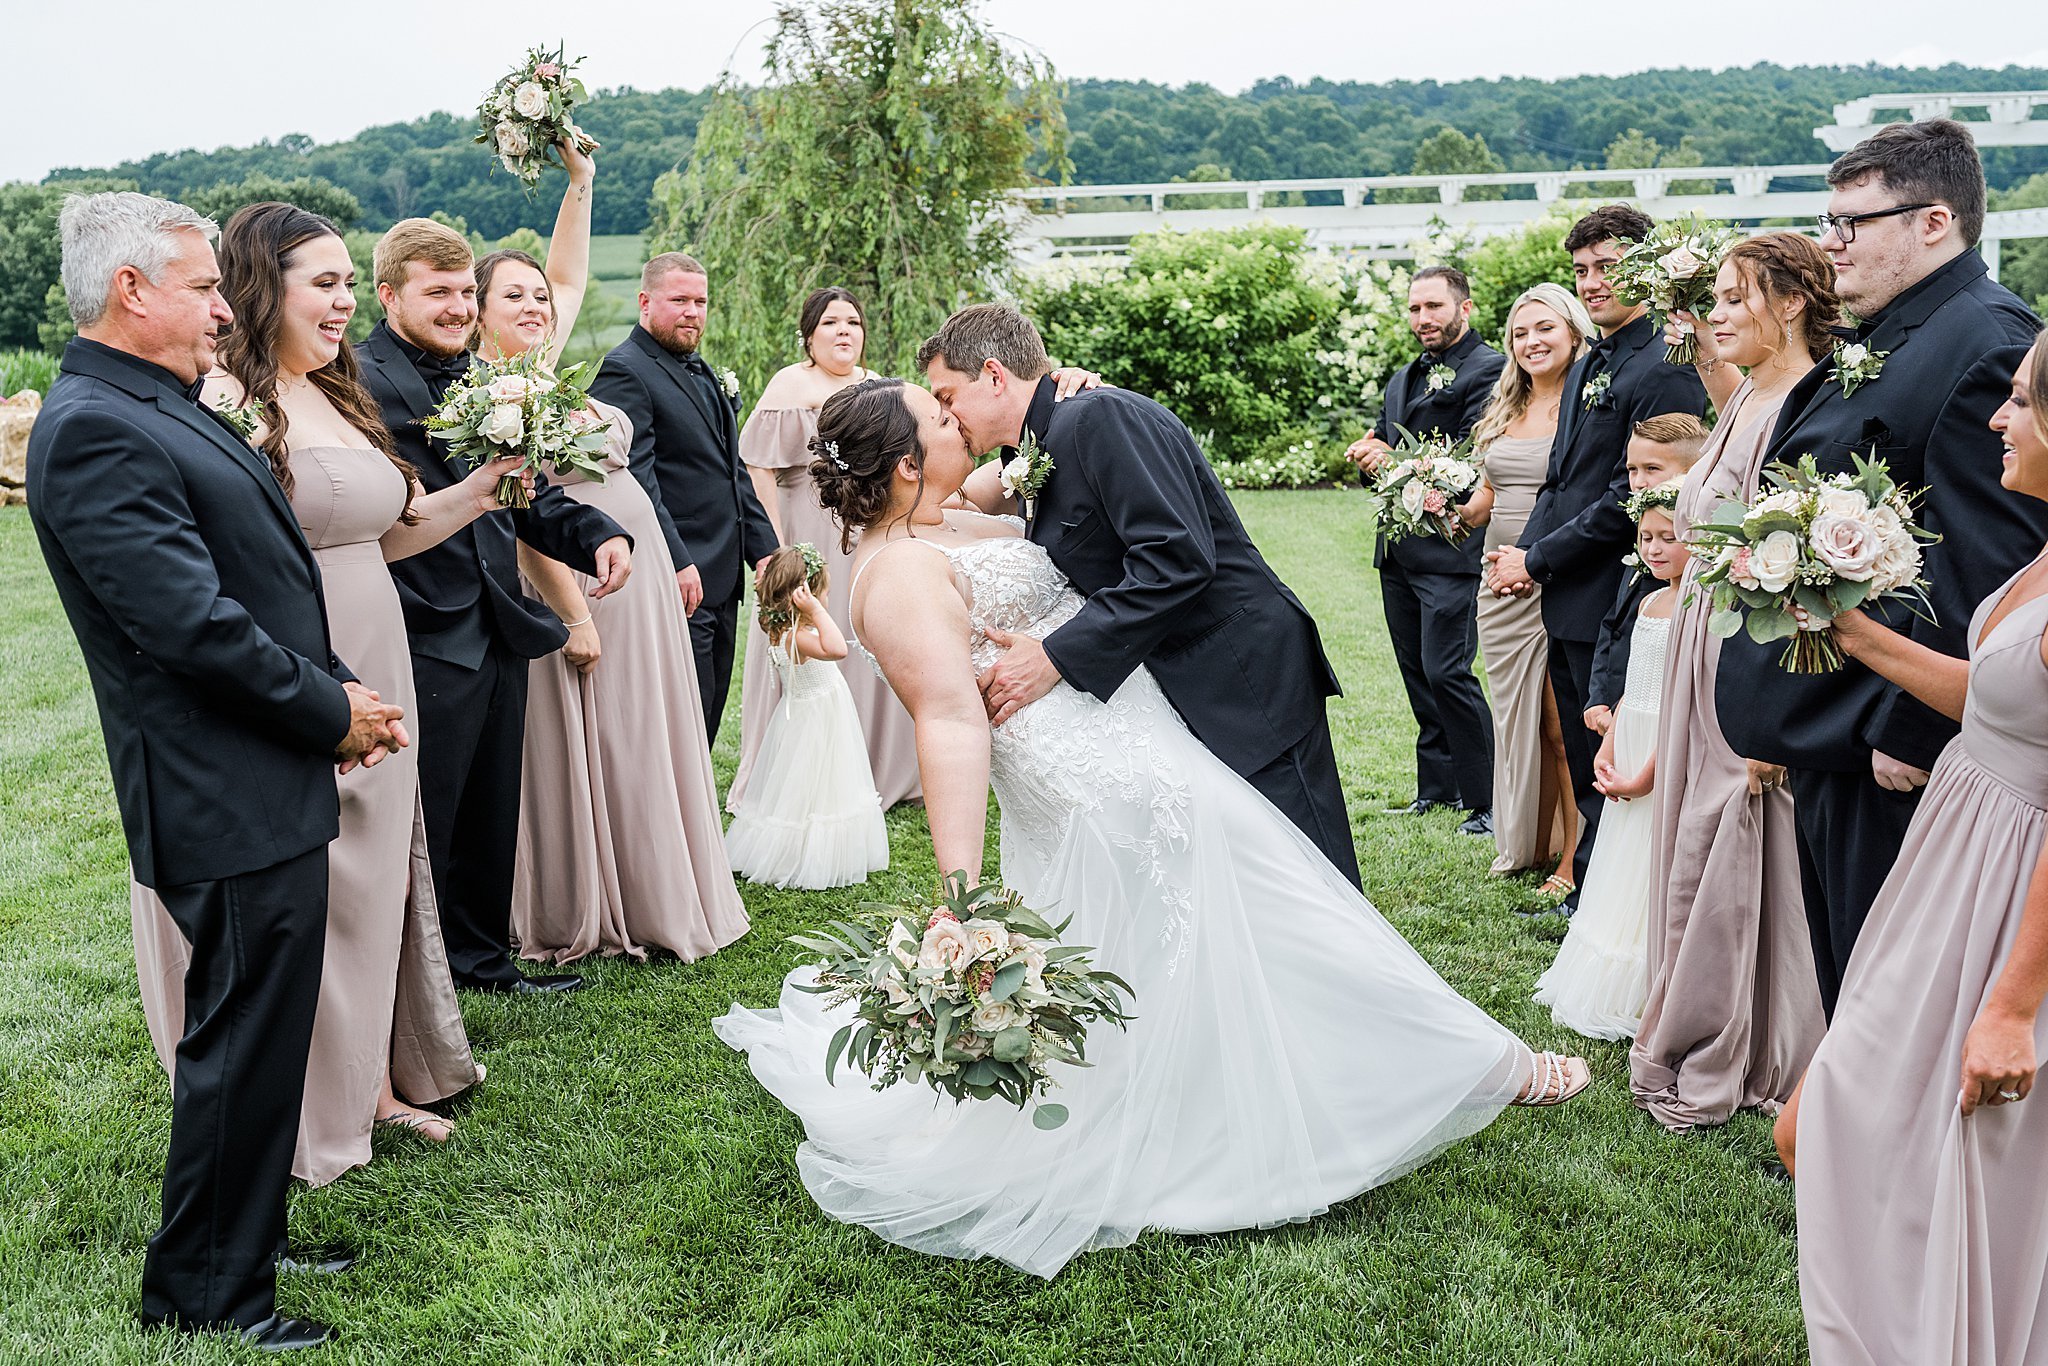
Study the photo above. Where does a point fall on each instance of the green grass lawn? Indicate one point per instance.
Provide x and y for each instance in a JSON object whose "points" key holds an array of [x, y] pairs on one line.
{"points": [[622, 1190]]}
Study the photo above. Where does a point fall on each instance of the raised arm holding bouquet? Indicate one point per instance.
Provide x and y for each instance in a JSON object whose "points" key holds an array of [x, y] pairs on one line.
{"points": [[528, 113], [1672, 269]]}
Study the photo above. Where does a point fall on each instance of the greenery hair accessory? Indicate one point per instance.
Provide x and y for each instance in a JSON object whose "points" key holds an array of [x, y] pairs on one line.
{"points": [[814, 562], [1658, 497]]}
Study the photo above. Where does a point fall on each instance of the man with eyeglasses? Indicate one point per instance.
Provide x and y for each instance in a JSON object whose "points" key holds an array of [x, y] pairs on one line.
{"points": [[1942, 340]]}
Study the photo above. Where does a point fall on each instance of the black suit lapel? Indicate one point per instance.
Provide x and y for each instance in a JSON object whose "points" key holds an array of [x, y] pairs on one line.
{"points": [[399, 372], [692, 390], [253, 463]]}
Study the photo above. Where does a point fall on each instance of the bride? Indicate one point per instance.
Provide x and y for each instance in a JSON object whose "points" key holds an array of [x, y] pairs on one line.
{"points": [[1290, 1049]]}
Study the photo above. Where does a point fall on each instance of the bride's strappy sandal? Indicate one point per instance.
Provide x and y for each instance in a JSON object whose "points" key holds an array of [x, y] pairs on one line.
{"points": [[1553, 1080]]}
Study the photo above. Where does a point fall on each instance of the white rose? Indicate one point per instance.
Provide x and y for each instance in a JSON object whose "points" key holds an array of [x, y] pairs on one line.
{"points": [[1412, 494], [530, 100], [1012, 478], [1853, 355], [1898, 564], [508, 389], [900, 997], [945, 947], [997, 1016], [1774, 561], [1885, 523], [1845, 545], [1463, 476], [512, 141], [505, 425], [903, 945], [985, 937], [1681, 264], [1842, 502]]}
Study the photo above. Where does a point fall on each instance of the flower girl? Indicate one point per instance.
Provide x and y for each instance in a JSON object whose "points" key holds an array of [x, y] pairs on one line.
{"points": [[810, 816], [1600, 980]]}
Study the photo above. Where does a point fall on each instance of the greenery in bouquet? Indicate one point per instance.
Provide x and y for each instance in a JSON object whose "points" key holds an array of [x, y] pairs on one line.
{"points": [[512, 406], [1418, 485], [1672, 270], [530, 110], [1822, 543], [973, 995]]}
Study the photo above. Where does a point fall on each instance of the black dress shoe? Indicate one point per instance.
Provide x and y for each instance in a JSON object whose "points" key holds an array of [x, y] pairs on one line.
{"points": [[280, 1334], [1774, 1170], [316, 1262], [561, 981], [1478, 823], [1421, 806]]}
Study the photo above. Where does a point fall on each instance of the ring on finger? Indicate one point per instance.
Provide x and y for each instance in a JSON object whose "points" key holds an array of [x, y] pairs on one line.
{"points": [[2008, 1095]]}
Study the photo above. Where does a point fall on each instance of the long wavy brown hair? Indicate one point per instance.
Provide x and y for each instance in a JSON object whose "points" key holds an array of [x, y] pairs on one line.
{"points": [[256, 251]]}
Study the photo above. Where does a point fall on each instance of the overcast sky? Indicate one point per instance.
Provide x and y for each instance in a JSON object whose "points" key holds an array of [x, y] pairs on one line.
{"points": [[101, 81]]}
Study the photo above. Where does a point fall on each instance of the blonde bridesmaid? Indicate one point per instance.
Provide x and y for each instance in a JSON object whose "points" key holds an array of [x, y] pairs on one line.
{"points": [[621, 849], [387, 1023]]}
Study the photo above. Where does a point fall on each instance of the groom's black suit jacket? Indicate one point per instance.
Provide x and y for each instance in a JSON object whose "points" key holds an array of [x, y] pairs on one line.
{"points": [[1134, 517], [197, 605], [1954, 341], [464, 592]]}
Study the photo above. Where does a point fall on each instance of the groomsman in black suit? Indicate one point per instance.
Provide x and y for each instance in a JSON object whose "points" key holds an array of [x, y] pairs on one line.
{"points": [[1134, 517], [686, 451], [198, 608], [1429, 587], [1940, 341], [1578, 532], [471, 630]]}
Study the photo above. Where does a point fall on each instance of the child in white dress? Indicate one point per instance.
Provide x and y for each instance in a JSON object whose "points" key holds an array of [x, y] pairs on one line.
{"points": [[810, 816], [1600, 980]]}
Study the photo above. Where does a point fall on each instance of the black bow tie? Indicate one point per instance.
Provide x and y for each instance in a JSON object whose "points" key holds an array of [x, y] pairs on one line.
{"points": [[443, 370], [694, 363], [1849, 334]]}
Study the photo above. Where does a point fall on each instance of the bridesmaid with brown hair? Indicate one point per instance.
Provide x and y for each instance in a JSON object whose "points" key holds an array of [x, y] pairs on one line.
{"points": [[1732, 1013], [621, 850], [387, 1022], [775, 444], [1920, 1154]]}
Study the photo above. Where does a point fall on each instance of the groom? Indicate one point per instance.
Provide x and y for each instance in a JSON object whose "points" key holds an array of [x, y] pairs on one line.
{"points": [[1132, 515]]}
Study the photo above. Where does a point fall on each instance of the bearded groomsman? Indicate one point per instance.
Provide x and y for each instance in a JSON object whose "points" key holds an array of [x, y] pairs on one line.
{"points": [[1931, 358], [1577, 534], [1429, 587], [686, 451], [198, 607], [471, 630]]}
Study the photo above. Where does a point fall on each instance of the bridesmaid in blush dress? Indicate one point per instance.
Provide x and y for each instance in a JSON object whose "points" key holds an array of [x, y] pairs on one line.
{"points": [[620, 845], [775, 444], [387, 1020], [1920, 1151], [1533, 818], [1732, 1014]]}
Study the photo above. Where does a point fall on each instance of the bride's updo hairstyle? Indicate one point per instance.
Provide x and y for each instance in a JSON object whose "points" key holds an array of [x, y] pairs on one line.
{"points": [[863, 430]]}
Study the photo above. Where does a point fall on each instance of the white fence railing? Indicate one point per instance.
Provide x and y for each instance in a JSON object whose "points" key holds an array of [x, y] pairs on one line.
{"points": [[2011, 118]]}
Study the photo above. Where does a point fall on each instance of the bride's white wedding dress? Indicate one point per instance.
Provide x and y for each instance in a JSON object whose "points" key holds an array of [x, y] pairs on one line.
{"points": [[1289, 1050]]}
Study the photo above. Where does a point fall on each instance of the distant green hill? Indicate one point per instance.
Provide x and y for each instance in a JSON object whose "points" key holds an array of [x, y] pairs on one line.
{"points": [[1137, 131]]}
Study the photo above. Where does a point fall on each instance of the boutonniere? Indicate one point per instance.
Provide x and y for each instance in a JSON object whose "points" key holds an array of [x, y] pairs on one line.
{"points": [[1441, 377], [729, 381], [1856, 365], [1594, 393], [1025, 473], [243, 418]]}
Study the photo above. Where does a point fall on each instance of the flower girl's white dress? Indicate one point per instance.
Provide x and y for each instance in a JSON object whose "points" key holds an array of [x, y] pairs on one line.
{"points": [[810, 817], [1289, 1050], [1601, 977]]}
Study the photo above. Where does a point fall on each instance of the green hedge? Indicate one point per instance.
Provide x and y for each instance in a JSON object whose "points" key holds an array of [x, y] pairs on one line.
{"points": [[24, 369]]}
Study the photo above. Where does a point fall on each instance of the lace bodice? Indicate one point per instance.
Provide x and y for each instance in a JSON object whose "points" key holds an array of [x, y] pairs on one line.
{"points": [[1644, 688], [801, 677]]}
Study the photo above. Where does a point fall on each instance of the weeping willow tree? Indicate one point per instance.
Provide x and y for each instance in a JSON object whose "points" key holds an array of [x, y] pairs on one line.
{"points": [[879, 155]]}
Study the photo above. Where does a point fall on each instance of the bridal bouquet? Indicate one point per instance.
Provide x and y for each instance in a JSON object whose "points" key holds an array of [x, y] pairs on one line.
{"points": [[528, 112], [974, 996], [1417, 487], [1825, 543], [1672, 270], [512, 406]]}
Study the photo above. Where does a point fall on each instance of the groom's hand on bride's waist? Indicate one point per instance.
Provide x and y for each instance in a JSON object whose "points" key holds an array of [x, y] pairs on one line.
{"points": [[1024, 674]]}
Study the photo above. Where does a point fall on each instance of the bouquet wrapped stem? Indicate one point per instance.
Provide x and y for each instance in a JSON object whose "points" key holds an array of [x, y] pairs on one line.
{"points": [[973, 995], [1822, 544]]}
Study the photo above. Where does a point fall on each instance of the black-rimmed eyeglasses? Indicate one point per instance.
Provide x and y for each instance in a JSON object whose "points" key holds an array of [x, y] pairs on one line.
{"points": [[1843, 225]]}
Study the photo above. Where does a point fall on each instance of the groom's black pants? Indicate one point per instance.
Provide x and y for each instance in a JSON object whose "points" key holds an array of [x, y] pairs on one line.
{"points": [[254, 979], [1303, 783]]}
